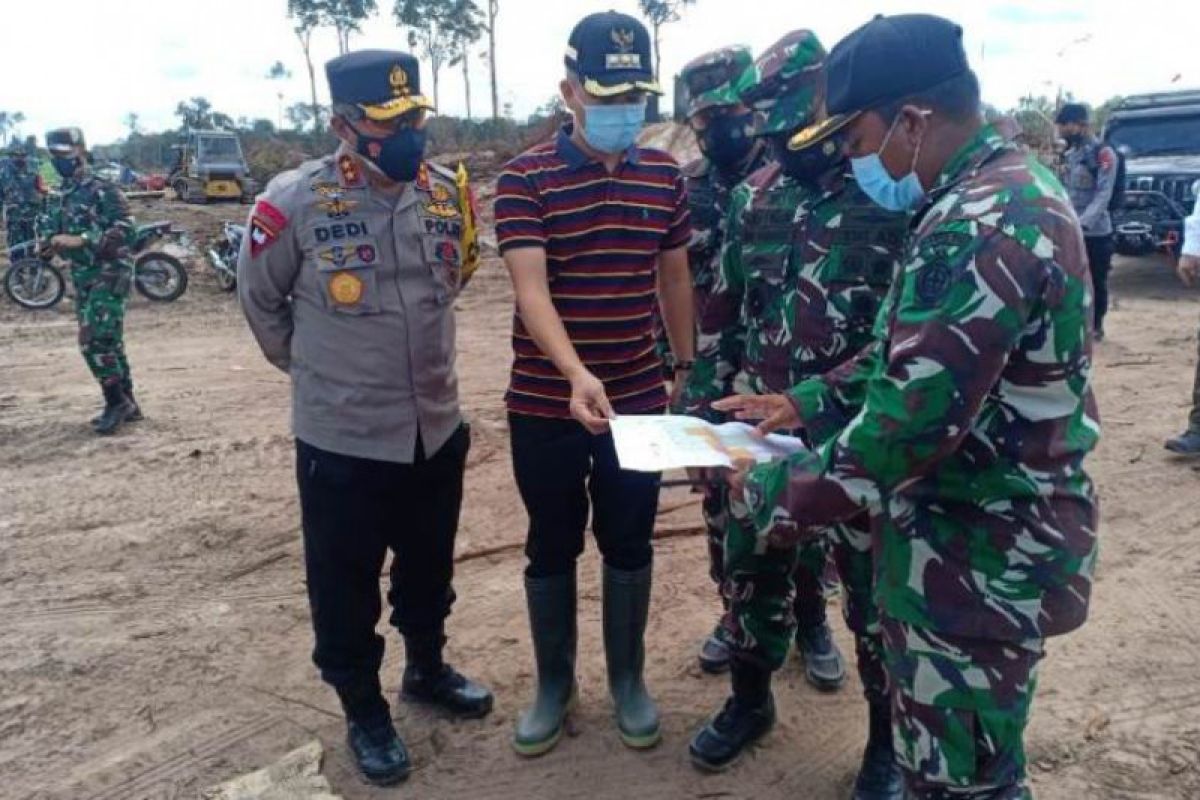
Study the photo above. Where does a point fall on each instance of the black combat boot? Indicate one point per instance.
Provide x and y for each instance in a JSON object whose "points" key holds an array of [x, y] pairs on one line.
{"points": [[746, 718], [879, 777], [428, 680], [714, 654], [378, 751], [1185, 444], [823, 663], [117, 408], [552, 625], [135, 415]]}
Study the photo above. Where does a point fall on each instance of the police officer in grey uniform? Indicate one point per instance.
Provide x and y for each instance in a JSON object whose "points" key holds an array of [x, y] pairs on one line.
{"points": [[347, 277], [1090, 175]]}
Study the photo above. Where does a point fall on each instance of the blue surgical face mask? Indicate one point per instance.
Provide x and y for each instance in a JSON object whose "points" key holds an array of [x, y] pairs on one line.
{"points": [[613, 129], [894, 195]]}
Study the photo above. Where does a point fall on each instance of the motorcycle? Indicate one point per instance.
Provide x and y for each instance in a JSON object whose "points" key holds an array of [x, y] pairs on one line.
{"points": [[224, 254], [34, 281]]}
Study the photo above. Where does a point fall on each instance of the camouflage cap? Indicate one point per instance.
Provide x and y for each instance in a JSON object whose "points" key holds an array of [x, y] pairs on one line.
{"points": [[63, 140], [785, 89], [717, 78]]}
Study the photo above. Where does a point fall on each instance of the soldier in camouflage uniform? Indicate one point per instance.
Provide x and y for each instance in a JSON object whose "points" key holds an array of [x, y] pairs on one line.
{"points": [[723, 127], [22, 194], [964, 427], [808, 260], [88, 223]]}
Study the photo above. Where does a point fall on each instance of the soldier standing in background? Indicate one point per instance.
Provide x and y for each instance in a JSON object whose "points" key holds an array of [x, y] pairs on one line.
{"points": [[964, 427], [793, 300], [88, 223], [723, 126], [1089, 172], [22, 196], [1188, 442], [347, 277]]}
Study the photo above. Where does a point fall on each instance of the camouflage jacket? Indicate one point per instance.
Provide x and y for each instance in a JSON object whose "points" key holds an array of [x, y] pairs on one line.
{"points": [[94, 209], [802, 275], [964, 426], [709, 192], [21, 192]]}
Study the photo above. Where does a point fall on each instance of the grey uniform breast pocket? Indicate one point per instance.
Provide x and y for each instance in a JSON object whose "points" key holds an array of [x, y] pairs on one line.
{"points": [[348, 276], [444, 258]]}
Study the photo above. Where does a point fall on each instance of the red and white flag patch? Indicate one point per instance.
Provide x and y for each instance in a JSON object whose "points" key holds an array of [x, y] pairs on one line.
{"points": [[266, 224]]}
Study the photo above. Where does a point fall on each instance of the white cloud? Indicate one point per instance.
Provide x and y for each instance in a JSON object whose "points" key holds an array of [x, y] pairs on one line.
{"points": [[144, 56]]}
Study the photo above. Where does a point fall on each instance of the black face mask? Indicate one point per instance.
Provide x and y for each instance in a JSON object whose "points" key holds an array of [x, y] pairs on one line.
{"points": [[66, 166], [726, 140], [1074, 139], [399, 156], [808, 165]]}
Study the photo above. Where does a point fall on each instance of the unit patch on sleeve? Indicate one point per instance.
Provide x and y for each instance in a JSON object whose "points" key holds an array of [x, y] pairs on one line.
{"points": [[266, 224]]}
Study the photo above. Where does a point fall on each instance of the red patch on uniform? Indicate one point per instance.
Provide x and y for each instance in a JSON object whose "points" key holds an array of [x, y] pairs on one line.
{"points": [[366, 253], [447, 252], [349, 171], [266, 223], [1106, 158]]}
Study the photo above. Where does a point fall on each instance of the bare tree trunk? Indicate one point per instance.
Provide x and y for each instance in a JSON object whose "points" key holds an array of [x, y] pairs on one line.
{"points": [[493, 10], [467, 79], [434, 68], [305, 38]]}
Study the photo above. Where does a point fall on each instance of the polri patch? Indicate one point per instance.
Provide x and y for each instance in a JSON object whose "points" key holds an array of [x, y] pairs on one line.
{"points": [[346, 288], [266, 224], [447, 252]]}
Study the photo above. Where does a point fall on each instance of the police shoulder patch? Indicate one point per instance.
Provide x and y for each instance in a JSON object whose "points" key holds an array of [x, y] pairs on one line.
{"points": [[266, 224]]}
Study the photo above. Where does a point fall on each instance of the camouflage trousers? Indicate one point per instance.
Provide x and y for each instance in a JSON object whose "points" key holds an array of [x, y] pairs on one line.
{"points": [[959, 711], [19, 230], [100, 293], [761, 582]]}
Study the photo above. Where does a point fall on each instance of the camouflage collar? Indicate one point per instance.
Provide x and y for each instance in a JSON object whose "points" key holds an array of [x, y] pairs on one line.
{"points": [[970, 157]]}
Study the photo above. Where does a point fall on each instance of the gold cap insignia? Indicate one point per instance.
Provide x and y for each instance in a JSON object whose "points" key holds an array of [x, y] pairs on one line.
{"points": [[399, 81], [623, 39]]}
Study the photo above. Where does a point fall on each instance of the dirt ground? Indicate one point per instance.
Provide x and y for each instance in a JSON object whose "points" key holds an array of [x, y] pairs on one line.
{"points": [[156, 638]]}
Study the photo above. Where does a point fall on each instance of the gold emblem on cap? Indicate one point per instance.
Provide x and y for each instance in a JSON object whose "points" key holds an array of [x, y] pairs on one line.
{"points": [[623, 39], [399, 81]]}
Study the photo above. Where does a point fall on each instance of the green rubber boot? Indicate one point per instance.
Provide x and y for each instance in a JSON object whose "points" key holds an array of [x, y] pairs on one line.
{"points": [[626, 605], [551, 604]]}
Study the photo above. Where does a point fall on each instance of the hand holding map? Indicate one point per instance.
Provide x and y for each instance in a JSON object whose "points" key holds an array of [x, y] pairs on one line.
{"points": [[657, 443]]}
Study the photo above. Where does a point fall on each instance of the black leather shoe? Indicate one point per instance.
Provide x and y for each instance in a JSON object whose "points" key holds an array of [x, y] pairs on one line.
{"points": [[448, 690], [720, 743], [379, 753], [1185, 444], [823, 663]]}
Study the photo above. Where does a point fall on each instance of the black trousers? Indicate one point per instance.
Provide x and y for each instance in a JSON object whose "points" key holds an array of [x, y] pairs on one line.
{"points": [[354, 510], [559, 467], [1099, 254]]}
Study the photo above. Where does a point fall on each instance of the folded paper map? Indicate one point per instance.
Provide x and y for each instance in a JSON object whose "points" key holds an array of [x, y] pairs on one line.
{"points": [[657, 443]]}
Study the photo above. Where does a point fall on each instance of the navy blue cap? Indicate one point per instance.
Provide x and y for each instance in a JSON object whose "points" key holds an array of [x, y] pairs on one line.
{"points": [[1072, 112], [611, 54], [887, 59], [383, 83]]}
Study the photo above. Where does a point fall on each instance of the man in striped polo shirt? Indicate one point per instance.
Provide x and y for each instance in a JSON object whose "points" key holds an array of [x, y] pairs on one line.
{"points": [[592, 229]]}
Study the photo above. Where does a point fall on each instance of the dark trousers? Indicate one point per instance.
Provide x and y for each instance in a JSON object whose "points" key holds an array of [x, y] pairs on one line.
{"points": [[354, 510], [1100, 254], [1194, 417], [560, 467]]}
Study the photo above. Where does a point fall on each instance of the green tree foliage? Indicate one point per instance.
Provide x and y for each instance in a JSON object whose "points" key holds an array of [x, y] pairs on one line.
{"points": [[307, 16], [346, 17], [466, 28], [195, 113], [436, 30]]}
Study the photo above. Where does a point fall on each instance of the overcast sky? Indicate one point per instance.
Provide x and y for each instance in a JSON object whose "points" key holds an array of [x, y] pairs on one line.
{"points": [[91, 62]]}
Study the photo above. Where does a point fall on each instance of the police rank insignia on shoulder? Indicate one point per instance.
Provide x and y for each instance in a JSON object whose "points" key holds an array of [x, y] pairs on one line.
{"points": [[266, 223], [423, 177], [945, 257], [345, 288], [349, 172], [442, 204]]}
